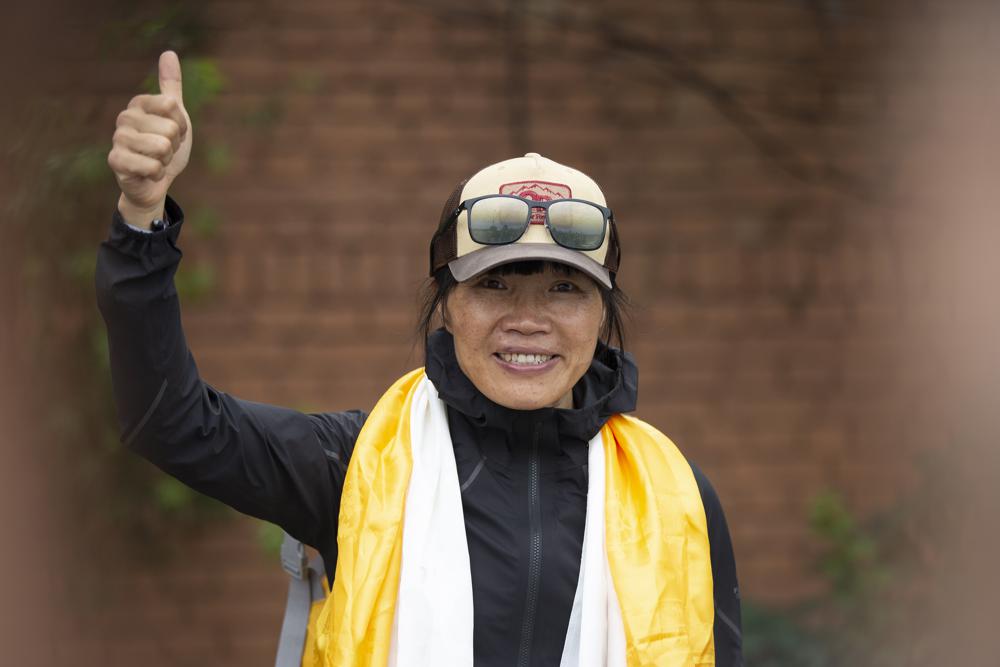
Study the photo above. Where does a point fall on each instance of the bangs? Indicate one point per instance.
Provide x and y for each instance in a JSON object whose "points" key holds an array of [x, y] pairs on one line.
{"points": [[532, 266]]}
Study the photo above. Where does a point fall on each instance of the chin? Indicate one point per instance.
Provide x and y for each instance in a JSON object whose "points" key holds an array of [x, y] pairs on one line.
{"points": [[523, 401], [521, 404]]}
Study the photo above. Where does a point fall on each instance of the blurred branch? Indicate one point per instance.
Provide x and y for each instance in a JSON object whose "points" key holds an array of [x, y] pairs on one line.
{"points": [[732, 109], [606, 31], [518, 85], [62, 194]]}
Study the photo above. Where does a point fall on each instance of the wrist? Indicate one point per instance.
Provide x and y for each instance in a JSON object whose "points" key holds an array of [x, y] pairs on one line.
{"points": [[140, 216]]}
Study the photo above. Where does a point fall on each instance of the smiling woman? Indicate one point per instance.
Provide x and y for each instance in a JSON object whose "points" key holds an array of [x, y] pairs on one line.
{"points": [[525, 339], [494, 508]]}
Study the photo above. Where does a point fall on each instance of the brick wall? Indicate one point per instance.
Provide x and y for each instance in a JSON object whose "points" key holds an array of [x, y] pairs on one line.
{"points": [[736, 142], [751, 275]]}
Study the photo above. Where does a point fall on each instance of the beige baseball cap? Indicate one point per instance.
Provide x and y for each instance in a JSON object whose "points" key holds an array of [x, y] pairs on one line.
{"points": [[530, 177]]}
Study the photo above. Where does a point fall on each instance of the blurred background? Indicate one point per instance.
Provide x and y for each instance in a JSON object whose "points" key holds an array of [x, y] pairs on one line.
{"points": [[806, 192]]}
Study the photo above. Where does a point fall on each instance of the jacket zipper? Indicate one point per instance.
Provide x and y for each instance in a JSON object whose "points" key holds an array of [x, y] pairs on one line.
{"points": [[535, 555]]}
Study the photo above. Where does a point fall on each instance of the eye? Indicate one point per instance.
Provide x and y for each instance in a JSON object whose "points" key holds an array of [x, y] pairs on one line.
{"points": [[491, 282], [565, 286]]}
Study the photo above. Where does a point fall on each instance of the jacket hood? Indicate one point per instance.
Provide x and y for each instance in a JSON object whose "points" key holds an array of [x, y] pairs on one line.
{"points": [[608, 387]]}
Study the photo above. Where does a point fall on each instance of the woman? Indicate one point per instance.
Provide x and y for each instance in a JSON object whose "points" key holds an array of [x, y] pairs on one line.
{"points": [[495, 507]]}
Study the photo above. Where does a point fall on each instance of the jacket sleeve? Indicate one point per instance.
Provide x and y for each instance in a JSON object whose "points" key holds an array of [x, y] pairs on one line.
{"points": [[274, 463], [727, 630]]}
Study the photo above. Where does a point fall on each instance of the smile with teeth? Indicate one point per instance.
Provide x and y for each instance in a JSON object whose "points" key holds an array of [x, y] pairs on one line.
{"points": [[519, 359]]}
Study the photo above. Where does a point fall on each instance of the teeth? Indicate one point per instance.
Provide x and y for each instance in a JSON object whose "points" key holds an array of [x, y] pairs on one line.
{"points": [[525, 359]]}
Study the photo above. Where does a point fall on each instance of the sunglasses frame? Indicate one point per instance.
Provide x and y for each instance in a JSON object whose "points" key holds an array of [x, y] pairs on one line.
{"points": [[609, 217]]}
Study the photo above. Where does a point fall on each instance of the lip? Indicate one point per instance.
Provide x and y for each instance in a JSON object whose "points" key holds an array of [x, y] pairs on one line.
{"points": [[525, 370]]}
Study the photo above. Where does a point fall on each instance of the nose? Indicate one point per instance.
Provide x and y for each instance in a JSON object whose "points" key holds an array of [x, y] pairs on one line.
{"points": [[527, 316]]}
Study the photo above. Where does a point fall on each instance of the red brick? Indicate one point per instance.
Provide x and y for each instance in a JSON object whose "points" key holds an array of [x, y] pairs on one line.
{"points": [[767, 324]]}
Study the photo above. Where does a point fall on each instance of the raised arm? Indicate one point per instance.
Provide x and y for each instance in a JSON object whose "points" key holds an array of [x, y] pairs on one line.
{"points": [[271, 462]]}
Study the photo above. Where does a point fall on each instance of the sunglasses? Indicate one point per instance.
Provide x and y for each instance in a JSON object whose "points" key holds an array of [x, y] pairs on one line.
{"points": [[576, 224]]}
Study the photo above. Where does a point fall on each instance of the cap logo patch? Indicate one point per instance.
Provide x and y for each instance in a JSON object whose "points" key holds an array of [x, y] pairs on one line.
{"points": [[537, 191]]}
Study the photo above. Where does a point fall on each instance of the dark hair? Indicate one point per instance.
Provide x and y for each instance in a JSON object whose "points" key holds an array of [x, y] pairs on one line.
{"points": [[437, 289]]}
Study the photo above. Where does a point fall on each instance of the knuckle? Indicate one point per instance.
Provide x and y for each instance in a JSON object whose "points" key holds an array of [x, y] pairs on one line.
{"points": [[163, 147], [119, 163], [173, 131]]}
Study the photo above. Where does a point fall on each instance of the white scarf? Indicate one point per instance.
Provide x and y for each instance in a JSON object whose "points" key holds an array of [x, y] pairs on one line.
{"points": [[433, 617]]}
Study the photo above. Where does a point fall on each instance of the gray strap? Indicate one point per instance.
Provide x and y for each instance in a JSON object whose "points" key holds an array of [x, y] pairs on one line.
{"points": [[304, 587], [293, 557], [292, 641]]}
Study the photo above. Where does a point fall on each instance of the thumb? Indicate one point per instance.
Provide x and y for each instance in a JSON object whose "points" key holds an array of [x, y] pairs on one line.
{"points": [[170, 76]]}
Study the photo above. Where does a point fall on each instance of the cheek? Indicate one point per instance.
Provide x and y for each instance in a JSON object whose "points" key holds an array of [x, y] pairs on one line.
{"points": [[587, 324], [468, 322]]}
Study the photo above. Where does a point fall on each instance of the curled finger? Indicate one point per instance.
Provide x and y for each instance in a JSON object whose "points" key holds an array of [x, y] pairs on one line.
{"points": [[144, 122], [129, 164], [151, 145], [164, 106]]}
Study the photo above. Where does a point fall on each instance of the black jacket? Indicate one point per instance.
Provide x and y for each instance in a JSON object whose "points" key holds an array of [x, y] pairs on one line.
{"points": [[523, 474]]}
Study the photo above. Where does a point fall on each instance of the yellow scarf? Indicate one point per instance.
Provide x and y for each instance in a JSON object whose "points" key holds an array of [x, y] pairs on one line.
{"points": [[656, 540]]}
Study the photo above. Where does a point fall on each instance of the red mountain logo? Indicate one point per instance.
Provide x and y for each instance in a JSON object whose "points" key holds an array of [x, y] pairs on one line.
{"points": [[537, 191]]}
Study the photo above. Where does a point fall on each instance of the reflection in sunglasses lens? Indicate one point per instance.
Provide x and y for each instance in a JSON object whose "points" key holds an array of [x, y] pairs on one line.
{"points": [[577, 225], [498, 220]]}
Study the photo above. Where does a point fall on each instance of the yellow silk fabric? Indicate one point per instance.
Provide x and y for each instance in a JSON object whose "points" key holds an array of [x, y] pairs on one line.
{"points": [[656, 537], [656, 540], [310, 654], [355, 626]]}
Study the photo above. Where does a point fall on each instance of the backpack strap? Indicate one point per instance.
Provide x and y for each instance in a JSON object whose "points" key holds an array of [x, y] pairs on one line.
{"points": [[304, 587]]}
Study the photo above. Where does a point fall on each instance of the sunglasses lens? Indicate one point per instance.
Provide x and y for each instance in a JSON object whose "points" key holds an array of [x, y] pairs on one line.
{"points": [[498, 220], [577, 225]]}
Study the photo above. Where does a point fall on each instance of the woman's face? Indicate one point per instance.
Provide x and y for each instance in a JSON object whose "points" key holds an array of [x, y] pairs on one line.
{"points": [[524, 341]]}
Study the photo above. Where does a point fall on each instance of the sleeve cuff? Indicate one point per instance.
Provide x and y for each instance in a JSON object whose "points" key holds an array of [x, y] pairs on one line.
{"points": [[142, 242], [173, 216]]}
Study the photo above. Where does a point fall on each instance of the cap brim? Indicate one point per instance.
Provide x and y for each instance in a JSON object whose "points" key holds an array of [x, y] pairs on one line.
{"points": [[484, 259]]}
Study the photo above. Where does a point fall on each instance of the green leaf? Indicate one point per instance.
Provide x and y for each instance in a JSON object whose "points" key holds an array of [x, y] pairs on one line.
{"points": [[829, 518], [195, 283], [171, 495], [218, 158], [203, 81], [776, 638], [270, 537], [265, 114], [99, 347], [204, 222], [850, 559], [178, 25], [80, 265], [85, 166], [309, 81]]}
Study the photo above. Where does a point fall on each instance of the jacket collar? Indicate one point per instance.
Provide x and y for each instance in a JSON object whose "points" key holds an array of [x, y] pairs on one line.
{"points": [[608, 387]]}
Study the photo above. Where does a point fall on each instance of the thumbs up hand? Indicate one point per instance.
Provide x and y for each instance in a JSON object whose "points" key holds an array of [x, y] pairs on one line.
{"points": [[151, 146]]}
